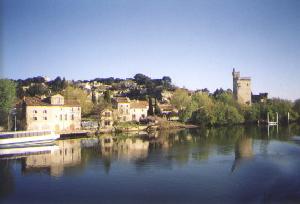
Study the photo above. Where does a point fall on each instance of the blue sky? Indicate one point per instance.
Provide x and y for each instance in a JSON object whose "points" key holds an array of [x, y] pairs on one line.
{"points": [[195, 42]]}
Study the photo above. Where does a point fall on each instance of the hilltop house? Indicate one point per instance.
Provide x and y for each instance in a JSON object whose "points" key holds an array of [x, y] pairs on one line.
{"points": [[52, 113]]}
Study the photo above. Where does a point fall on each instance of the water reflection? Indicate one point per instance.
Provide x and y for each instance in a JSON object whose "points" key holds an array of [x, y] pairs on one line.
{"points": [[67, 154], [243, 151], [203, 153]]}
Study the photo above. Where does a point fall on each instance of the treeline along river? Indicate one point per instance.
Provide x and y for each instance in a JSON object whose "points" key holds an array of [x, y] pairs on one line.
{"points": [[223, 165]]}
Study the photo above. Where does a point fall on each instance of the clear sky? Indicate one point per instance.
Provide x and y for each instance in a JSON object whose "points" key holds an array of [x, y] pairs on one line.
{"points": [[195, 42]]}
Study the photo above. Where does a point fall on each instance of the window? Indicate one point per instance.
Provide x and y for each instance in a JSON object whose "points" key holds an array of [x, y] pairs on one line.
{"points": [[45, 118], [107, 123], [35, 111], [34, 118], [72, 117], [45, 111], [107, 114]]}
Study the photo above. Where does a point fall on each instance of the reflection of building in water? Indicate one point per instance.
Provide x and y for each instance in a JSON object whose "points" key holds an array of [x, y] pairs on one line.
{"points": [[129, 148], [243, 151], [68, 154]]}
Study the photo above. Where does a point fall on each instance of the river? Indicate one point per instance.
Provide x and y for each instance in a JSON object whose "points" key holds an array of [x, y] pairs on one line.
{"points": [[221, 165]]}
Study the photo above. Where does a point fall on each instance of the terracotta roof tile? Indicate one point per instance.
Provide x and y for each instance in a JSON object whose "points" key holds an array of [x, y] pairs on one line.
{"points": [[35, 101], [139, 104]]}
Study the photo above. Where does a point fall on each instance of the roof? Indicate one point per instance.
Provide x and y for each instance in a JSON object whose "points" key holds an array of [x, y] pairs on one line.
{"points": [[139, 104], [35, 101], [166, 107], [122, 100]]}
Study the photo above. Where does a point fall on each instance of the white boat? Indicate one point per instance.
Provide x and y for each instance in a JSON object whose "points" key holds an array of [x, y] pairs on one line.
{"points": [[23, 151], [27, 137]]}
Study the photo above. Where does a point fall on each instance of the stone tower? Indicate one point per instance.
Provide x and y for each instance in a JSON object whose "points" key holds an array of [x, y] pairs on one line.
{"points": [[241, 88]]}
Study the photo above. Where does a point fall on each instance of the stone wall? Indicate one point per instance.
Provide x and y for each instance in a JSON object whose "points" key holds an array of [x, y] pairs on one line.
{"points": [[58, 118]]}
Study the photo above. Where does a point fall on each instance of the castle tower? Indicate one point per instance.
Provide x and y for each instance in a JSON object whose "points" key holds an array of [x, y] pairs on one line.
{"points": [[241, 88]]}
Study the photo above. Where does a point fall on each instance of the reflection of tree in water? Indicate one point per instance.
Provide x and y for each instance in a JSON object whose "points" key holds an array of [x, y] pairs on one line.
{"points": [[6, 179]]}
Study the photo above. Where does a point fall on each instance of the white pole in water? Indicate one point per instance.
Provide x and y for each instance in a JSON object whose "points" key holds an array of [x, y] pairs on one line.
{"points": [[15, 123], [288, 117], [277, 118], [8, 122]]}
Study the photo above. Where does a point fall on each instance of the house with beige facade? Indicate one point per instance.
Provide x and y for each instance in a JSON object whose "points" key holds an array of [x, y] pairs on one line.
{"points": [[130, 110], [107, 119], [52, 113], [138, 110], [122, 107]]}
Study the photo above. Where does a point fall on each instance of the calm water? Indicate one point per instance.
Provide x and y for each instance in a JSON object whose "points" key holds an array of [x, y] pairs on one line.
{"points": [[223, 165]]}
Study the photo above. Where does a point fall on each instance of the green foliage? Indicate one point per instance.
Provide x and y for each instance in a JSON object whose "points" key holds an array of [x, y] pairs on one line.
{"points": [[7, 98], [58, 84], [107, 96], [76, 94], [296, 106], [38, 90], [157, 110], [180, 99]]}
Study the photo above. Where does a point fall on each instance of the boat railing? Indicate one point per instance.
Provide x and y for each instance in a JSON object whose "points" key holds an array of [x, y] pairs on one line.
{"points": [[24, 134]]}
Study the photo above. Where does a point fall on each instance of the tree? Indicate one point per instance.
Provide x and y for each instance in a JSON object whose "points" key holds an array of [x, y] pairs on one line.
{"points": [[7, 98], [157, 110], [227, 98], [38, 90], [296, 106], [141, 79], [58, 84], [167, 82], [202, 99], [180, 99], [107, 96], [76, 94], [150, 110], [99, 108]]}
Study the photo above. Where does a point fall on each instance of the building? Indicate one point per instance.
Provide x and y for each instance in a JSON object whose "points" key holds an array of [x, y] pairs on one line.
{"points": [[122, 105], [127, 110], [138, 110], [52, 113], [107, 119], [241, 88], [260, 98]]}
